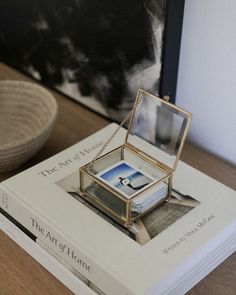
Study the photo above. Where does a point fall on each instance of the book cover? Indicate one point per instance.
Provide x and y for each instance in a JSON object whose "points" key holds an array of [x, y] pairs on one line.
{"points": [[150, 258]]}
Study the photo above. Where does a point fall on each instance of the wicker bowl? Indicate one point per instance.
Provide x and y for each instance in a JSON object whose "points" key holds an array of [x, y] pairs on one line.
{"points": [[27, 116]]}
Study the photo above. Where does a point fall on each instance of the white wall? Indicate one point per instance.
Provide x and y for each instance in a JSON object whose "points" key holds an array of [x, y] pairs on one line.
{"points": [[207, 74]]}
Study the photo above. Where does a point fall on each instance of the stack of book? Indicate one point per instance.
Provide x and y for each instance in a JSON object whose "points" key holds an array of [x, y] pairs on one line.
{"points": [[166, 252]]}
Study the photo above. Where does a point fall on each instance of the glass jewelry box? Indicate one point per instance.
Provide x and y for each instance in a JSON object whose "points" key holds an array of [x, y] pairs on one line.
{"points": [[134, 178]]}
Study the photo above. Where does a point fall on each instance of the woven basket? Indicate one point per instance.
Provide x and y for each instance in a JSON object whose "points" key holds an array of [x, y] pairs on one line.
{"points": [[27, 116]]}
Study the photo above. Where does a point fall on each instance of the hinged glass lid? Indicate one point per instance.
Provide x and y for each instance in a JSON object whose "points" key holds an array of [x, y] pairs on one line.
{"points": [[162, 125]]}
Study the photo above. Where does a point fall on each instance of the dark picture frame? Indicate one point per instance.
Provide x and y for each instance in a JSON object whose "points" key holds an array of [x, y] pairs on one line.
{"points": [[31, 38], [171, 48]]}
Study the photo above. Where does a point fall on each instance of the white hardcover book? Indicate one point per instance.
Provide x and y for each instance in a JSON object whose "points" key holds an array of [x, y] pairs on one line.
{"points": [[73, 280], [41, 255], [151, 258]]}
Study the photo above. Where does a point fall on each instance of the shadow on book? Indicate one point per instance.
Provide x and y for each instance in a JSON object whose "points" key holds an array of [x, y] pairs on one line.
{"points": [[154, 222]]}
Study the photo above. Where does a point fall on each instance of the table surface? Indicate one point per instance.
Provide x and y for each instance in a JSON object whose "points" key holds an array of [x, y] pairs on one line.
{"points": [[21, 274]]}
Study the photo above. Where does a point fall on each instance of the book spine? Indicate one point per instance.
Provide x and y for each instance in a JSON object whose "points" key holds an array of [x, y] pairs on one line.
{"points": [[41, 255], [60, 245]]}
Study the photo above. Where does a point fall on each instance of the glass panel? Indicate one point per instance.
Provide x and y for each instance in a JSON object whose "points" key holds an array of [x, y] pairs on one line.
{"points": [[97, 193], [160, 124], [143, 165], [105, 161]]}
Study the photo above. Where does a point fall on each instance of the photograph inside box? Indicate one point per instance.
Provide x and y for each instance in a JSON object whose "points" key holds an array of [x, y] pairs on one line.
{"points": [[125, 178], [132, 179]]}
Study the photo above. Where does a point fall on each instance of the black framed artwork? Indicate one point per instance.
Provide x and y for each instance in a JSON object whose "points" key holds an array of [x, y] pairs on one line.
{"points": [[98, 52]]}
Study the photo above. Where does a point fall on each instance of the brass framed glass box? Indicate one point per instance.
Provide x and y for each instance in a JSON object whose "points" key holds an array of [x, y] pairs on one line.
{"points": [[132, 179]]}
